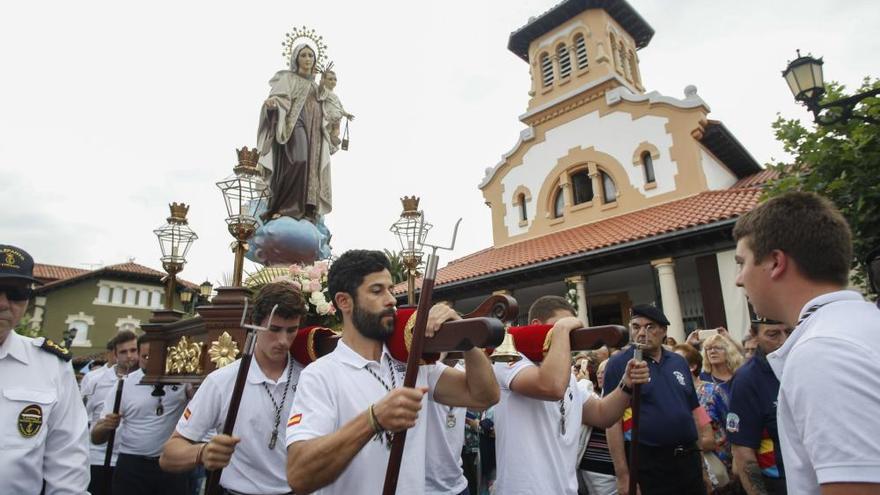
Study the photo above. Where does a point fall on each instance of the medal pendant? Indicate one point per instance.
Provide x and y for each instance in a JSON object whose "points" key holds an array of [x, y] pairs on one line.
{"points": [[562, 426], [160, 410], [273, 439], [450, 420]]}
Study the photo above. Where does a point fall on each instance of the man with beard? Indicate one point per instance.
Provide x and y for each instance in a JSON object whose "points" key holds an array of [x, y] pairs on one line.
{"points": [[43, 424], [671, 420], [751, 422], [350, 402], [253, 461], [97, 390], [795, 254], [145, 420]]}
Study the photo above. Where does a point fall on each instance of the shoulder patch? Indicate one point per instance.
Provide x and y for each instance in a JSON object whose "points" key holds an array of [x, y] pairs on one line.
{"points": [[52, 348], [732, 423]]}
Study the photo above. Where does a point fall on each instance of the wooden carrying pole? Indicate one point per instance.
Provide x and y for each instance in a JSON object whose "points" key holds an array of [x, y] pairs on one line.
{"points": [[412, 370], [212, 485], [108, 455]]}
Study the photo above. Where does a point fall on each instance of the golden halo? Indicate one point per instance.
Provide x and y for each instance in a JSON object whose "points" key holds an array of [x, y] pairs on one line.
{"points": [[312, 38]]}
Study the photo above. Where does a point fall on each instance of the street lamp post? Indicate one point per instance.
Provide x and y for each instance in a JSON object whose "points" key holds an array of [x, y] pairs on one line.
{"points": [[175, 239], [411, 230], [186, 298], [805, 79], [205, 291], [244, 192]]}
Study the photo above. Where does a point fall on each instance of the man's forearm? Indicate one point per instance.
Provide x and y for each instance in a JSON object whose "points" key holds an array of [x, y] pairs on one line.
{"points": [[610, 410], [314, 464], [481, 383], [100, 434], [751, 479], [179, 454], [556, 367]]}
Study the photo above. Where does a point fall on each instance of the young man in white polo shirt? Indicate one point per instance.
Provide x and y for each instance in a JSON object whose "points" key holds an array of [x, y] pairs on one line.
{"points": [[144, 423], [443, 471], [254, 458], [538, 420], [351, 401], [95, 391], [794, 254]]}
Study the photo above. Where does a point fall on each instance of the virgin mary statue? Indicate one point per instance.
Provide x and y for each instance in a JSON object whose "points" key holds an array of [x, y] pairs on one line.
{"points": [[293, 144]]}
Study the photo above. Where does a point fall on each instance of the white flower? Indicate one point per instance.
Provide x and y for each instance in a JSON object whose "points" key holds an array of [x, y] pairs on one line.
{"points": [[317, 298]]}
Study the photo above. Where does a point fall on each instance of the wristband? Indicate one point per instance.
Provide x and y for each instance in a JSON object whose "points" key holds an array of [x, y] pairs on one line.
{"points": [[199, 455], [626, 389]]}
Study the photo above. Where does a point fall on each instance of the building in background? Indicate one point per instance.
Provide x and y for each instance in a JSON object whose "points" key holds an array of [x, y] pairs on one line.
{"points": [[612, 194]]}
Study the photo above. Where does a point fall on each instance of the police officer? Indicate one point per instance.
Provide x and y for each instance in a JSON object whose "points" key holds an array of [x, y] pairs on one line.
{"points": [[670, 418], [43, 425], [751, 422]]}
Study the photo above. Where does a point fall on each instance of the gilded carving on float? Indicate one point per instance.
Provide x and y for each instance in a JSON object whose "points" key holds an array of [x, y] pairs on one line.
{"points": [[223, 350], [184, 358]]}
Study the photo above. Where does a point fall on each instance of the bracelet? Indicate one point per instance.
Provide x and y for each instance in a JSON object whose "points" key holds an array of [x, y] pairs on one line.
{"points": [[626, 388], [374, 421], [199, 455]]}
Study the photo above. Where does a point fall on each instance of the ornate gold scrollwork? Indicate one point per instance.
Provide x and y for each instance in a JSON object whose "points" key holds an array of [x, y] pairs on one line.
{"points": [[184, 358], [223, 350]]}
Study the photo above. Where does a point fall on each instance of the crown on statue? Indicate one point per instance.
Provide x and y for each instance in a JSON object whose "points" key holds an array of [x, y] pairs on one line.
{"points": [[410, 204], [305, 34], [248, 157], [178, 212]]}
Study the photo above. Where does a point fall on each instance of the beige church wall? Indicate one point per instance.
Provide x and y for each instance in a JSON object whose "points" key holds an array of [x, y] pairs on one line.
{"points": [[609, 137]]}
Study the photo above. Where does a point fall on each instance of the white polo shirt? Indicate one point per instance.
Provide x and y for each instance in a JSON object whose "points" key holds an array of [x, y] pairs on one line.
{"points": [[43, 424], [101, 383], [142, 432], [443, 472], [334, 390], [532, 454], [829, 406], [253, 467]]}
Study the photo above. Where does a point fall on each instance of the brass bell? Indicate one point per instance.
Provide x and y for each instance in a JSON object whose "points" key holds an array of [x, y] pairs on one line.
{"points": [[506, 352]]}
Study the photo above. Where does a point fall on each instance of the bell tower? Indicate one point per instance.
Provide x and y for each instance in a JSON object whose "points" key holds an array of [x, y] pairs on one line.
{"points": [[580, 44]]}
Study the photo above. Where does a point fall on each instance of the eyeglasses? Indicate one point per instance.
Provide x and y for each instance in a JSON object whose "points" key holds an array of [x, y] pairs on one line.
{"points": [[715, 348], [17, 293], [649, 327]]}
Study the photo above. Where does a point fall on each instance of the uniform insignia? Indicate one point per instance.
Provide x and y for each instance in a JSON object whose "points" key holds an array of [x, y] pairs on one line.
{"points": [[294, 420], [680, 377], [30, 420], [52, 348], [732, 423], [187, 413]]}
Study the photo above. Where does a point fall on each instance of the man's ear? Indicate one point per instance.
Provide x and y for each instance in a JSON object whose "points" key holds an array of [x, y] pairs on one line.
{"points": [[779, 263], [344, 301]]}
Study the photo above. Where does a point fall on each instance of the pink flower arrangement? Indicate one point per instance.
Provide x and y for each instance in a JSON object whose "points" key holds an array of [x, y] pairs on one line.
{"points": [[312, 281]]}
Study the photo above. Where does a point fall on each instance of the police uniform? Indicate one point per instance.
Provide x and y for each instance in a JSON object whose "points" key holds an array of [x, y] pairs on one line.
{"points": [[751, 421], [669, 460], [43, 425]]}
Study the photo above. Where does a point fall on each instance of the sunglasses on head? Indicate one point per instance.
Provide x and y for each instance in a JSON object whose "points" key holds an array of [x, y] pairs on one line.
{"points": [[16, 293]]}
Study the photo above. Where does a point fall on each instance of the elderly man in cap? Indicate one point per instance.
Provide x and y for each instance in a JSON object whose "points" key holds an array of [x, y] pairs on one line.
{"points": [[669, 459], [43, 425]]}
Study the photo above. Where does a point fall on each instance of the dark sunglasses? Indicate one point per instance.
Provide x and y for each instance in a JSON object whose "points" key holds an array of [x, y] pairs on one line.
{"points": [[17, 293]]}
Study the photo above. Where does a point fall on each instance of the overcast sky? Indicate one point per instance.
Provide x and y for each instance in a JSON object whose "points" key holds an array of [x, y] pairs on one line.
{"points": [[111, 110]]}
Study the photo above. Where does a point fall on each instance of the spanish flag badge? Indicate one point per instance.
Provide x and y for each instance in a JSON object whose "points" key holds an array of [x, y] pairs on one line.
{"points": [[186, 414], [294, 420]]}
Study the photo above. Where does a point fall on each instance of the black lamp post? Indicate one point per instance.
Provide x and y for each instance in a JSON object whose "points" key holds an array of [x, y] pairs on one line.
{"points": [[805, 79]]}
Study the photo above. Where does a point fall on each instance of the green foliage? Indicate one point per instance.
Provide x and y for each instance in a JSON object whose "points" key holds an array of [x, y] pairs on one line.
{"points": [[398, 269], [24, 328], [841, 162]]}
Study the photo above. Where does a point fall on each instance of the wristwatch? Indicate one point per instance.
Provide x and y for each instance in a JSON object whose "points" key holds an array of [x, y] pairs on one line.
{"points": [[626, 389]]}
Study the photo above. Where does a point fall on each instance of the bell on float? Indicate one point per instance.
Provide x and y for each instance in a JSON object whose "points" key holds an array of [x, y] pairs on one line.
{"points": [[506, 352]]}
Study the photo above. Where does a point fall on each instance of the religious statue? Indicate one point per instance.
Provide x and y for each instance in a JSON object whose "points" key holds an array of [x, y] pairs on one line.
{"points": [[333, 109]]}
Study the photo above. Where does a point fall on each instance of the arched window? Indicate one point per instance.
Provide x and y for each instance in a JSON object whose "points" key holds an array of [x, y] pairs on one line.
{"points": [[558, 202], [564, 61], [648, 164], [614, 53], [580, 51], [633, 67], [609, 190], [546, 70], [523, 215], [624, 65], [582, 187]]}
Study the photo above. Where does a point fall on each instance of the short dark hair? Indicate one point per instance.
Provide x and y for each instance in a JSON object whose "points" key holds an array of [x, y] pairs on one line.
{"points": [[545, 307], [122, 337], [806, 227], [347, 273], [288, 297]]}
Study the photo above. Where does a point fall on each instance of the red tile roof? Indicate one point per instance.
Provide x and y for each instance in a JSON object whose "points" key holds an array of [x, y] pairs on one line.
{"points": [[74, 274], [758, 179], [51, 273], [701, 209]]}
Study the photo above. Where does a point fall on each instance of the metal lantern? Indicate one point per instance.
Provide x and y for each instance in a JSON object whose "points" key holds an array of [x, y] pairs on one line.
{"points": [[175, 239], [411, 231], [205, 290], [804, 78], [245, 193]]}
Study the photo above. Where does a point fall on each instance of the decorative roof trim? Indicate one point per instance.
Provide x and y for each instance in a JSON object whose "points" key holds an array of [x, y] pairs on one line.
{"points": [[691, 98], [525, 135]]}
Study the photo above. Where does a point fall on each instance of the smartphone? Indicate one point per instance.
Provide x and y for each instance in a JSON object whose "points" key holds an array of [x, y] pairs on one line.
{"points": [[705, 334]]}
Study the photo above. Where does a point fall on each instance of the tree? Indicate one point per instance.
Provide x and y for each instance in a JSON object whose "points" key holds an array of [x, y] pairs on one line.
{"points": [[398, 269], [841, 162], [25, 328]]}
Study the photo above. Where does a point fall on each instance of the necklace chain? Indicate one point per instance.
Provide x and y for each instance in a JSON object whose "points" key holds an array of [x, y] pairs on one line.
{"points": [[274, 437], [388, 435]]}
